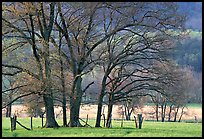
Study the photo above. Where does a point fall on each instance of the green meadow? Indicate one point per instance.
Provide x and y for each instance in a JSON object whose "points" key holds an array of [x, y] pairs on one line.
{"points": [[189, 105], [149, 129]]}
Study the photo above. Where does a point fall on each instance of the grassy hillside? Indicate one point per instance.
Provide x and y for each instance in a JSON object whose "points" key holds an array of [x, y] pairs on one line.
{"points": [[149, 129]]}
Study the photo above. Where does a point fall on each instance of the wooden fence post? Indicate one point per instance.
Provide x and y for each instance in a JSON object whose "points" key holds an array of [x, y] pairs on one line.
{"points": [[42, 120], [13, 122], [122, 120], [31, 123], [140, 118], [87, 117], [135, 121], [15, 119]]}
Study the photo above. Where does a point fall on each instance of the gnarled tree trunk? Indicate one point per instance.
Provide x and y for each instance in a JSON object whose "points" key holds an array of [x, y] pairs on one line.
{"points": [[50, 118], [110, 107], [98, 118], [75, 101]]}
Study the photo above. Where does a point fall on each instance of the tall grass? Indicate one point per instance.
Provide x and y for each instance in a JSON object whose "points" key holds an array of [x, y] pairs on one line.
{"points": [[149, 129]]}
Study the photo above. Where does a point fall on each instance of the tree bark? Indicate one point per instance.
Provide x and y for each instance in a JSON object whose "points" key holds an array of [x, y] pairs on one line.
{"points": [[48, 97], [75, 102], [110, 107], [170, 110], [8, 111], [182, 112], [63, 88], [45, 76], [140, 119], [64, 107], [163, 107], [100, 98], [99, 110], [50, 118], [9, 107], [128, 111], [176, 112], [13, 122], [157, 112]]}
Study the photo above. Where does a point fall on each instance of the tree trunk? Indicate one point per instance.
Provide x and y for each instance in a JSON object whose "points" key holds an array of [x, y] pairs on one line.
{"points": [[182, 112], [8, 108], [98, 119], [140, 119], [128, 116], [162, 113], [49, 108], [75, 102], [110, 107], [157, 112], [13, 122], [135, 121], [48, 98], [64, 107], [163, 107], [128, 112], [100, 100], [108, 122], [176, 112], [8, 111], [64, 104], [170, 110]]}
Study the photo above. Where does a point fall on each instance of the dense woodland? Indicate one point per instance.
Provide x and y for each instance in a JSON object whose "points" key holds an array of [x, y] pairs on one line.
{"points": [[102, 53]]}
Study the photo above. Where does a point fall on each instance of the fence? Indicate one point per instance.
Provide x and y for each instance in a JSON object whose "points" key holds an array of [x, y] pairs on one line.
{"points": [[14, 121]]}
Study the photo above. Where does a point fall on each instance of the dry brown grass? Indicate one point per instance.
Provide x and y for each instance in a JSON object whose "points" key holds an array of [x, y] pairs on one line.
{"points": [[91, 110]]}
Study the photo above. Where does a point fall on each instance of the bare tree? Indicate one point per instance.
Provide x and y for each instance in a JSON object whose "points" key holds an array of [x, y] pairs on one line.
{"points": [[177, 93], [34, 17], [130, 36], [139, 42]]}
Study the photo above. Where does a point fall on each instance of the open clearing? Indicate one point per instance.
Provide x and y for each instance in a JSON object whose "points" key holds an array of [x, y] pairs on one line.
{"points": [[149, 129]]}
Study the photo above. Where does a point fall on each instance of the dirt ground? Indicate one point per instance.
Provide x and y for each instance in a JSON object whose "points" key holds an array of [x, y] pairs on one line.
{"points": [[91, 110]]}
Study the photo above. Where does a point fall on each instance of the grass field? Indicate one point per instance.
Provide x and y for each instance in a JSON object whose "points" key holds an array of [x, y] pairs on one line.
{"points": [[194, 105], [191, 105], [149, 129]]}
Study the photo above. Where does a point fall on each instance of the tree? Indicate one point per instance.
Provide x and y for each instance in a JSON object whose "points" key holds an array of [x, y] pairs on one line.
{"points": [[85, 28], [182, 92], [34, 104], [10, 74], [157, 79], [23, 14], [131, 106], [84, 32], [7, 94], [195, 89], [141, 42], [176, 94]]}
